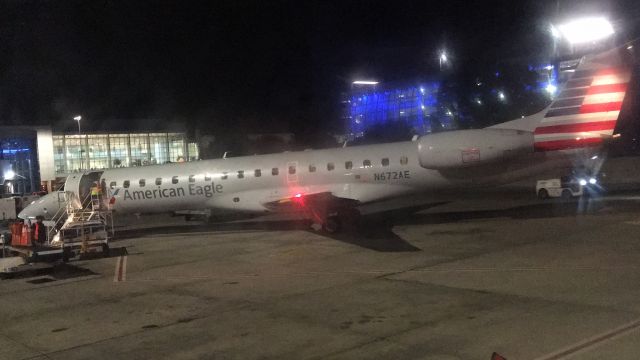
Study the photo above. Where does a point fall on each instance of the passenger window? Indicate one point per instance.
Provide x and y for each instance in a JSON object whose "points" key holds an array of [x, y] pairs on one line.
{"points": [[174, 180], [292, 169], [366, 163], [348, 165], [125, 184], [142, 182], [312, 168], [385, 162], [404, 160], [275, 171], [158, 181], [224, 176], [192, 178], [112, 185], [330, 166], [240, 174], [207, 177], [257, 173]]}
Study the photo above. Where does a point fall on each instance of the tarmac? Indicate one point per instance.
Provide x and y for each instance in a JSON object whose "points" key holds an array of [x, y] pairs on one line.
{"points": [[522, 278]]}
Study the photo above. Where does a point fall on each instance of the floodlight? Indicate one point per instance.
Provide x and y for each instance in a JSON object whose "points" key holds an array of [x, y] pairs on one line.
{"points": [[551, 89], [365, 82], [586, 30]]}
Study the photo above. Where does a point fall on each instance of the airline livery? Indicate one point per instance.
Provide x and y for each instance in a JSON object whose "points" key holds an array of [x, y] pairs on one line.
{"points": [[328, 184]]}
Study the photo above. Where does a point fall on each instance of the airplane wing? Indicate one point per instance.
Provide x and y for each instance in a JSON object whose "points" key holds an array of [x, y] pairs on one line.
{"points": [[320, 200]]}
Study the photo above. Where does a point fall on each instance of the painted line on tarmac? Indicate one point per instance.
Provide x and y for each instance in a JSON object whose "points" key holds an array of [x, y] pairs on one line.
{"points": [[120, 273], [592, 342]]}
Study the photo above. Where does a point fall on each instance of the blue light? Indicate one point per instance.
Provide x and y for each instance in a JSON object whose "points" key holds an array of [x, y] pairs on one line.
{"points": [[414, 104], [13, 151]]}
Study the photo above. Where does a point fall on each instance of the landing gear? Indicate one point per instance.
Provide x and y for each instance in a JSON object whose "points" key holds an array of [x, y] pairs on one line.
{"points": [[105, 250], [336, 221], [332, 225]]}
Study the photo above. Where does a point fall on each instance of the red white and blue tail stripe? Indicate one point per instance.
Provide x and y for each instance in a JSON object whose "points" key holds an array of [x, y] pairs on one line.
{"points": [[586, 110]]}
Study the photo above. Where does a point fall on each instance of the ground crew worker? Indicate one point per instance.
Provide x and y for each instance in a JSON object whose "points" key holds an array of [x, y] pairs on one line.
{"points": [[39, 232], [96, 195]]}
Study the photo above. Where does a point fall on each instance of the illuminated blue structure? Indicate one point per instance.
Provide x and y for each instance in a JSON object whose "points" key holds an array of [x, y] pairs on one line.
{"points": [[18, 157], [416, 105]]}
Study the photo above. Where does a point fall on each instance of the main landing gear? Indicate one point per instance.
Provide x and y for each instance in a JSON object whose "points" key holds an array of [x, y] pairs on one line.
{"points": [[339, 220]]}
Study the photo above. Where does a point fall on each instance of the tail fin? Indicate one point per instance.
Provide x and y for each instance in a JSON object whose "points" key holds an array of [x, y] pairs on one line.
{"points": [[587, 109]]}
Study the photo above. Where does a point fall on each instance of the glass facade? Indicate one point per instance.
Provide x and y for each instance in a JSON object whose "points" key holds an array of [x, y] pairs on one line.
{"points": [[17, 153], [414, 105], [103, 151]]}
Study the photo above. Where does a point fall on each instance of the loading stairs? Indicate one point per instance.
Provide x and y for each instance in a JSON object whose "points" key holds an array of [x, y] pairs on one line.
{"points": [[81, 224]]}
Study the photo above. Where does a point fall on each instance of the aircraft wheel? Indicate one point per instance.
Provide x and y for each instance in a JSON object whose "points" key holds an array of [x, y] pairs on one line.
{"points": [[105, 250], [331, 225], [66, 254], [543, 194]]}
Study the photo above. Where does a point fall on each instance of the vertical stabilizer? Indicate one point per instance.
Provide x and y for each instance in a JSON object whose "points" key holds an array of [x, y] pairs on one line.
{"points": [[587, 109]]}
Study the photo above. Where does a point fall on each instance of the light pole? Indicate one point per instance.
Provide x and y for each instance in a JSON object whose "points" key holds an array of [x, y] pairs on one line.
{"points": [[78, 118], [442, 59]]}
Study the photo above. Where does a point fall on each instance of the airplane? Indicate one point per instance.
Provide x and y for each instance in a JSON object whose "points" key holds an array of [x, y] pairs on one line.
{"points": [[329, 186]]}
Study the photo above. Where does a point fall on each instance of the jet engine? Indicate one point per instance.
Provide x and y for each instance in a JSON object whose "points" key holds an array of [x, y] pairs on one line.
{"points": [[467, 148]]}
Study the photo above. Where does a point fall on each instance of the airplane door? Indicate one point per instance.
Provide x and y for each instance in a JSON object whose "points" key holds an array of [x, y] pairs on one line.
{"points": [[292, 172]]}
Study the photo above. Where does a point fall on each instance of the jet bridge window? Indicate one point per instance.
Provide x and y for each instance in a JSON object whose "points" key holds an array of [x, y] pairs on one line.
{"points": [[292, 169], [366, 163], [348, 165], [158, 181], [330, 166], [125, 184], [142, 182], [192, 178], [275, 171], [257, 173], [174, 180], [404, 160], [112, 185], [385, 162], [312, 168], [240, 174]]}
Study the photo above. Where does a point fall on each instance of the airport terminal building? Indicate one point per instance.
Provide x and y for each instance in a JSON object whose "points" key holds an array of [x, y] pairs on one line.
{"points": [[34, 158]]}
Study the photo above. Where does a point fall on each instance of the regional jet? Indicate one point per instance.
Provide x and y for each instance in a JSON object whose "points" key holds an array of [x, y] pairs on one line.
{"points": [[330, 185]]}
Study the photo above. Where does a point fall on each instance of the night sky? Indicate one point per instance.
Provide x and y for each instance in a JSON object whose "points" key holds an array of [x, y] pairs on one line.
{"points": [[251, 66]]}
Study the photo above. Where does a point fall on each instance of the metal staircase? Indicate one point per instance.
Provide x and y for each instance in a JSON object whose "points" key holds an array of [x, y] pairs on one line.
{"points": [[87, 216]]}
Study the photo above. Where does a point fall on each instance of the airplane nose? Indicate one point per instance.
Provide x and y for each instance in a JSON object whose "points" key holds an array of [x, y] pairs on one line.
{"points": [[45, 206], [24, 214]]}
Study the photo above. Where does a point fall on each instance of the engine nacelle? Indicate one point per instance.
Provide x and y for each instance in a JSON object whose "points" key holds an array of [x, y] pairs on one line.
{"points": [[465, 148]]}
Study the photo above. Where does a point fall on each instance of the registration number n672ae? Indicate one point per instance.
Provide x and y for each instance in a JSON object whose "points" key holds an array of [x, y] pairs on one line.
{"points": [[392, 175]]}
